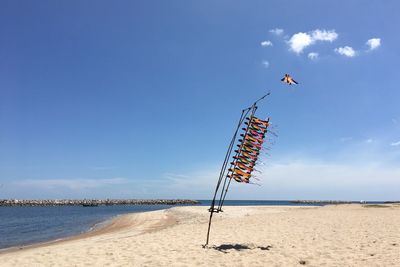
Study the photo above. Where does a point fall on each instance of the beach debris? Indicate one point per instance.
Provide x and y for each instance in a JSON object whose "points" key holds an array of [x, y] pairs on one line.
{"points": [[288, 79], [242, 168], [265, 248], [302, 262]]}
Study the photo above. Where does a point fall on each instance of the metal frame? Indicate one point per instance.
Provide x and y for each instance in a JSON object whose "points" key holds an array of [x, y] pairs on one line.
{"points": [[252, 109]]}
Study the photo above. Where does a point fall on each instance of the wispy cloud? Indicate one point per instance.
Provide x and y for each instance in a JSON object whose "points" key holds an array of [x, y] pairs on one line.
{"points": [[265, 63], [373, 43], [299, 41], [195, 184], [102, 168], [300, 179], [74, 184], [313, 55], [347, 51], [349, 180], [294, 178], [370, 140], [395, 143], [276, 31], [266, 43], [194, 179], [345, 139]]}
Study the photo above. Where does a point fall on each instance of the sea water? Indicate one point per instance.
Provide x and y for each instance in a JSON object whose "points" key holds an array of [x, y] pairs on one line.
{"points": [[27, 225]]}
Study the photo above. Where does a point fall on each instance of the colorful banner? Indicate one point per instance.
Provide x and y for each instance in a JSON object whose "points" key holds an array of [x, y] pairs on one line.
{"points": [[248, 150]]}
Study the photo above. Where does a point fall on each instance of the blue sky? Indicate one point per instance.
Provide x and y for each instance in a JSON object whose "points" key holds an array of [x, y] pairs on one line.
{"points": [[139, 99]]}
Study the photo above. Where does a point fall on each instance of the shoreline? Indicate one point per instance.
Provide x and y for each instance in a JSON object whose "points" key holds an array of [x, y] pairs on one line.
{"points": [[109, 225], [118, 223], [104, 226], [101, 226], [97, 224], [331, 235], [93, 229]]}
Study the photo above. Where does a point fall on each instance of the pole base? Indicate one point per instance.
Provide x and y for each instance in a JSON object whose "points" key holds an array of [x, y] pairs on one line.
{"points": [[214, 210]]}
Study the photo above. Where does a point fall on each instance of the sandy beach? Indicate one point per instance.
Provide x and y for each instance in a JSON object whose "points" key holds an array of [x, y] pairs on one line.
{"points": [[336, 235]]}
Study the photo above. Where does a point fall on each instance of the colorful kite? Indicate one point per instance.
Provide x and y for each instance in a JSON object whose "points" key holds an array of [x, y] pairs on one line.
{"points": [[249, 148], [288, 79]]}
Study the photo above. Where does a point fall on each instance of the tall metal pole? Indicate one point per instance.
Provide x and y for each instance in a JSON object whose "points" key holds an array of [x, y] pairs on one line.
{"points": [[225, 191], [226, 176], [212, 209], [253, 108], [222, 172]]}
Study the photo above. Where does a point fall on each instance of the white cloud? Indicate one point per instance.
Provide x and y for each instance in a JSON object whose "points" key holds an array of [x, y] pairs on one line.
{"points": [[395, 143], [373, 43], [346, 51], [265, 63], [370, 140], [324, 35], [266, 43], [276, 31], [299, 41], [313, 55]]}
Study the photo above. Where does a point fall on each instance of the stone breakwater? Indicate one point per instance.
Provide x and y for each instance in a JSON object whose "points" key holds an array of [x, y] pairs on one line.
{"points": [[94, 202]]}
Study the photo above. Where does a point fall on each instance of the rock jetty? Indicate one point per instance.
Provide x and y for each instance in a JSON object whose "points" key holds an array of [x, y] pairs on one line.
{"points": [[94, 202]]}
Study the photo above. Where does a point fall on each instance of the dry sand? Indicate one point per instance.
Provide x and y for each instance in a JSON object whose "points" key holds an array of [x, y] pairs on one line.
{"points": [[343, 235]]}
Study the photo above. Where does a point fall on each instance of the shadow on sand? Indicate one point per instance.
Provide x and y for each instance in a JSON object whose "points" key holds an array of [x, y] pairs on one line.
{"points": [[225, 248]]}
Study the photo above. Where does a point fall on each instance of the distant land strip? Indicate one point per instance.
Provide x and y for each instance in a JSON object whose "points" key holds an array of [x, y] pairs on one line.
{"points": [[323, 202], [94, 202], [336, 202]]}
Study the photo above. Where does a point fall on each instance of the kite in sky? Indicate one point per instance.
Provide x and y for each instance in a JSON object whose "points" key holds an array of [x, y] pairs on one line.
{"points": [[288, 79]]}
